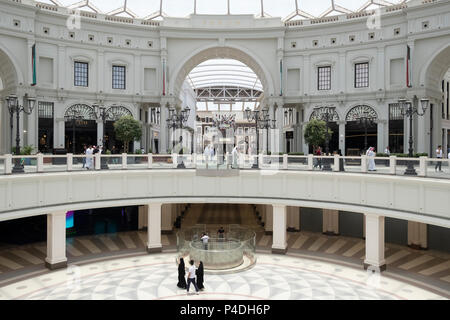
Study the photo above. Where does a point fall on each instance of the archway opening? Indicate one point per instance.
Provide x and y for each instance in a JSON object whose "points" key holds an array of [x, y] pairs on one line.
{"points": [[360, 129], [223, 89], [80, 128]]}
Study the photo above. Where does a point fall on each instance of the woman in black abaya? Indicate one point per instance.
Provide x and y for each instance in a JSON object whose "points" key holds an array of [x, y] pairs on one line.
{"points": [[181, 275], [199, 274]]}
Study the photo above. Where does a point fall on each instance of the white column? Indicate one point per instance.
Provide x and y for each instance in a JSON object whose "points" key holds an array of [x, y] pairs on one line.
{"points": [[279, 229], [56, 240], [154, 228], [268, 222], [297, 218], [342, 136], [163, 143], [381, 143], [279, 122], [330, 222], [374, 243], [417, 235], [290, 219], [100, 133], [166, 218], [143, 217]]}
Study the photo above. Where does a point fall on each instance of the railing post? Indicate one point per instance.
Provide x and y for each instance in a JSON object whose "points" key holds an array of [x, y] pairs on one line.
{"points": [[150, 160], [285, 161], [392, 164], [124, 161], [194, 160], [40, 162], [363, 163], [423, 166], [69, 161], [174, 160], [310, 162], [97, 161], [8, 164], [336, 162]]}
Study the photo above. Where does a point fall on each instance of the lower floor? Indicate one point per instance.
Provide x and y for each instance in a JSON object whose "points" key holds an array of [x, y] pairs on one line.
{"points": [[313, 241], [154, 277]]}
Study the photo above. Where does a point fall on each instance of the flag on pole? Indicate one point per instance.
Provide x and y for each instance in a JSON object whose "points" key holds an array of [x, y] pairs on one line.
{"points": [[33, 63], [408, 68]]}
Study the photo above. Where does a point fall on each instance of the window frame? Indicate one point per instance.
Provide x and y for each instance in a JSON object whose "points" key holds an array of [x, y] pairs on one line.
{"points": [[320, 84], [364, 79], [117, 78], [75, 73]]}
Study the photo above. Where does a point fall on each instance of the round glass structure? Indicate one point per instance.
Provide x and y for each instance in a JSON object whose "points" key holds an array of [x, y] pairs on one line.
{"points": [[220, 253]]}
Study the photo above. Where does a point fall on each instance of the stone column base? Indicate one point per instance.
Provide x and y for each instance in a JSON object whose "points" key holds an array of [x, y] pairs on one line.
{"points": [[330, 233], [279, 251], [380, 268], [154, 250], [54, 266], [417, 247]]}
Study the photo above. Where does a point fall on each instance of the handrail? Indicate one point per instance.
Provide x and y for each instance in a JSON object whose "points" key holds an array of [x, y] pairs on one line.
{"points": [[392, 165]]}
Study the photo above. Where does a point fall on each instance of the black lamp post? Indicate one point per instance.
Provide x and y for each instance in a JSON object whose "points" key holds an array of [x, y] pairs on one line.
{"points": [[326, 113], [14, 107], [178, 121], [224, 121], [255, 116], [267, 124], [101, 113], [73, 115], [408, 109], [366, 122]]}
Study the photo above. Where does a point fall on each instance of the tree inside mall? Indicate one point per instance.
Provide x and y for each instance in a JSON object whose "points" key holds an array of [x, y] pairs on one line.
{"points": [[127, 129], [315, 132]]}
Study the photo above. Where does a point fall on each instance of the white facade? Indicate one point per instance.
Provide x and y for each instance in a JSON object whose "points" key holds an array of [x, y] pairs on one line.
{"points": [[177, 45]]}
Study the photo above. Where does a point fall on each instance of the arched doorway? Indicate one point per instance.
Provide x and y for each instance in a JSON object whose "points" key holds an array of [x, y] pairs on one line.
{"points": [[114, 113], [10, 78], [356, 130], [84, 125], [334, 127], [239, 81]]}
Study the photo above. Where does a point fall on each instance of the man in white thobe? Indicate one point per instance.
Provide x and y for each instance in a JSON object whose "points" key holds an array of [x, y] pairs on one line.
{"points": [[89, 153], [235, 155]]}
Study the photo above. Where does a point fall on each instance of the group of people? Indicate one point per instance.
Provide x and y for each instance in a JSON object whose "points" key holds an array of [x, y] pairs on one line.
{"points": [[440, 155], [195, 276], [89, 151]]}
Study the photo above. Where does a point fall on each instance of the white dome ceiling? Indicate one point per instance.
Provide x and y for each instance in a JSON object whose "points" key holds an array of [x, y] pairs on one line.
{"points": [[286, 9]]}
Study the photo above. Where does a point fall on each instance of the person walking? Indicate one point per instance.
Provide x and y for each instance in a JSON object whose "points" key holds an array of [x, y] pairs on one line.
{"points": [[191, 277], [371, 154], [181, 273], [318, 152], [387, 151], [235, 156], [439, 156], [200, 274], [205, 239], [84, 159], [89, 153], [221, 233]]}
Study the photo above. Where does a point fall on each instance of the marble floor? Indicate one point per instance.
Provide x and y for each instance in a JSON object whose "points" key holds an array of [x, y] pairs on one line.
{"points": [[154, 277]]}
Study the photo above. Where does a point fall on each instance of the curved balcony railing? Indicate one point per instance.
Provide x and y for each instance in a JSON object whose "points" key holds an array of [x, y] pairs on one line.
{"points": [[220, 253], [40, 163]]}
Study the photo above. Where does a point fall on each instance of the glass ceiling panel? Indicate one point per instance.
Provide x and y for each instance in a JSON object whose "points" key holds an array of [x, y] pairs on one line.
{"points": [[223, 72], [183, 8]]}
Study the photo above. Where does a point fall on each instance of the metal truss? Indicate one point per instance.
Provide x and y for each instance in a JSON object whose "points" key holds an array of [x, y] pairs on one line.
{"points": [[226, 94], [301, 14]]}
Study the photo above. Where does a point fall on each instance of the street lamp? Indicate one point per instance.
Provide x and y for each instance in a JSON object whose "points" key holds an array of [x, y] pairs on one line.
{"points": [[267, 124], [101, 113], [262, 120], [14, 107], [366, 121], [326, 113], [223, 122], [408, 109], [72, 115], [178, 121]]}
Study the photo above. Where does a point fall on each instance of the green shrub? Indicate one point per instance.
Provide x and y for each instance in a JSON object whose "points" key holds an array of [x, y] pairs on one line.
{"points": [[296, 154]]}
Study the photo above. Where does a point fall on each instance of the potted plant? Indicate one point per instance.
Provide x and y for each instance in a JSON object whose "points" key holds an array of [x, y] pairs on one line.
{"points": [[26, 151], [127, 129]]}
